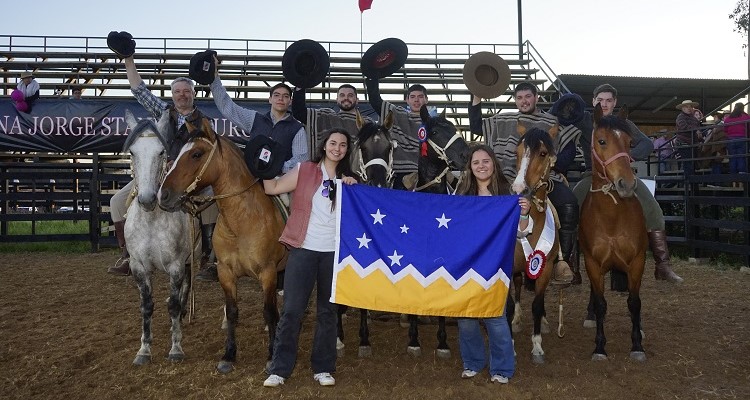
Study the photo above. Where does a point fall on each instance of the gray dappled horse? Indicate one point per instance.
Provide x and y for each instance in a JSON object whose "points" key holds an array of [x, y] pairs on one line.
{"points": [[156, 239]]}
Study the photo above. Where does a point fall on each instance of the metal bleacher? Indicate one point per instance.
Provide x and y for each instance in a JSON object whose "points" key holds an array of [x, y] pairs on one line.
{"points": [[249, 67]]}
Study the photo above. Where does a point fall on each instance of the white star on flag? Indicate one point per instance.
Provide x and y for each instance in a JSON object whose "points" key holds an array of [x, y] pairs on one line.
{"points": [[395, 258], [443, 221], [378, 217], [404, 229], [364, 241]]}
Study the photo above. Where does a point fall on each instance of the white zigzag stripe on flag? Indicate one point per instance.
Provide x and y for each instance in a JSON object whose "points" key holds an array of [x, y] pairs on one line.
{"points": [[409, 270]]}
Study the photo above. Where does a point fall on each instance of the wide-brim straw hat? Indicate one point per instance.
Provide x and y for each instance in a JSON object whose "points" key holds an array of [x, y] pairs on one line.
{"points": [[486, 75], [25, 75], [686, 103]]}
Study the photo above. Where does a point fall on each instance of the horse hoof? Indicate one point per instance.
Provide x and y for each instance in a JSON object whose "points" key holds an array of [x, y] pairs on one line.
{"points": [[589, 323], [176, 357], [537, 358], [598, 357], [638, 356], [225, 367], [414, 351], [364, 352], [141, 360], [444, 353], [340, 352]]}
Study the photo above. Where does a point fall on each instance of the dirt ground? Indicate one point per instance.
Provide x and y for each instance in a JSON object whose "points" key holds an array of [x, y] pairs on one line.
{"points": [[70, 331]]}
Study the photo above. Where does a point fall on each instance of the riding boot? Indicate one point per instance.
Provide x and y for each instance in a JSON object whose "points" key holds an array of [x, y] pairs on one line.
{"points": [[658, 242], [568, 248], [567, 272], [122, 266], [207, 270]]}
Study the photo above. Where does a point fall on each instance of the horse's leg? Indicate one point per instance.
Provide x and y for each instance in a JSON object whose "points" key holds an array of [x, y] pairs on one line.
{"points": [[340, 311], [229, 285], [185, 289], [365, 350], [143, 279], [634, 306], [176, 280], [510, 310], [537, 310], [414, 348], [443, 351], [600, 309], [590, 321], [270, 307], [516, 318]]}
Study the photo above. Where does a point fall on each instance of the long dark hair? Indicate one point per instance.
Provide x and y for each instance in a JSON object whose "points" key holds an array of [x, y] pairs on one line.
{"points": [[738, 109], [344, 167], [498, 183]]}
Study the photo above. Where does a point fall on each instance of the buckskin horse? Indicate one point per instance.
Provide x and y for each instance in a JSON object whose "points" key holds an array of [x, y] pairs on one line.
{"points": [[372, 161], [534, 256], [612, 231], [446, 150], [156, 239], [246, 235]]}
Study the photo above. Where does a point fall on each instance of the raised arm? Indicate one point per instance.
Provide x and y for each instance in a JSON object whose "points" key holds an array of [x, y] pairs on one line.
{"points": [[475, 116], [373, 94], [299, 106], [240, 116], [148, 100], [134, 78]]}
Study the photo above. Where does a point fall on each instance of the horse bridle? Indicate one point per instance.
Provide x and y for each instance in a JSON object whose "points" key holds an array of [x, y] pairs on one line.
{"points": [[542, 183], [442, 154], [609, 185], [160, 178], [362, 171]]}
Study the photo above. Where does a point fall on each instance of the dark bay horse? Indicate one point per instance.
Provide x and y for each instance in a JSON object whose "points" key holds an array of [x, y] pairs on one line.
{"points": [[246, 235], [612, 231], [156, 239], [372, 161], [534, 257], [446, 151]]}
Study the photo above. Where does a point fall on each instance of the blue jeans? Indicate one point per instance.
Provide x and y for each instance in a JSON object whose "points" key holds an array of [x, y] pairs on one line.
{"points": [[736, 150], [473, 351], [303, 270]]}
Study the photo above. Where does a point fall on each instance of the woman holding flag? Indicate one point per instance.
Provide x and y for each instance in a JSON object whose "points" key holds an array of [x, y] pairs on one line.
{"points": [[310, 234], [483, 178]]}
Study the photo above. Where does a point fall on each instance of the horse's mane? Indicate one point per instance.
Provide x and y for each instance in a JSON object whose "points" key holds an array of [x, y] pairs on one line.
{"points": [[535, 137], [367, 131], [142, 125], [614, 122]]}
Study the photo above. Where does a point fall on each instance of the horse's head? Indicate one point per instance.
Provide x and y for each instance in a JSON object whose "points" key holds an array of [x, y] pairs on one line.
{"points": [[535, 156], [191, 171], [445, 144], [372, 158], [610, 151], [147, 157]]}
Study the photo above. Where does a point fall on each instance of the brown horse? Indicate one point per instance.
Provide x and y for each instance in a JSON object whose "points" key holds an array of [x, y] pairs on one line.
{"points": [[535, 157], [246, 236], [612, 232]]}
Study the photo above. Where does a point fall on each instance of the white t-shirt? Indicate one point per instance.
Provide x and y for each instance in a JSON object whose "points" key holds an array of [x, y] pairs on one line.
{"points": [[321, 230]]}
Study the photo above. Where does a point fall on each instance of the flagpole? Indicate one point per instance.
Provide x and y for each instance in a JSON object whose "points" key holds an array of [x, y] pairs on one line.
{"points": [[360, 34]]}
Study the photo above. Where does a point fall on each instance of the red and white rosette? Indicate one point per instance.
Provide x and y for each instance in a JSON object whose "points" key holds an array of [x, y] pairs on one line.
{"points": [[535, 264]]}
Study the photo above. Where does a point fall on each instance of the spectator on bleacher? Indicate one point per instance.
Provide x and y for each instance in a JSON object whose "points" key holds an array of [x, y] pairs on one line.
{"points": [[717, 151], [663, 149], [278, 124], [501, 134], [319, 120], [181, 109], [641, 147], [688, 133], [737, 134], [26, 93], [76, 93]]}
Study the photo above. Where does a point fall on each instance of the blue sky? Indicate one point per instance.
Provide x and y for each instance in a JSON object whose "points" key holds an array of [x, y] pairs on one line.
{"points": [[663, 38]]}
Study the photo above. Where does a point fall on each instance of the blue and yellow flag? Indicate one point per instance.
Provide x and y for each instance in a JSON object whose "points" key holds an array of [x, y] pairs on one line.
{"points": [[425, 254]]}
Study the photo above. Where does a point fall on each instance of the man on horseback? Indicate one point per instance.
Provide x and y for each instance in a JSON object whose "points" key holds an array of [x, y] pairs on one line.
{"points": [[318, 120], [181, 109], [641, 147], [500, 132]]}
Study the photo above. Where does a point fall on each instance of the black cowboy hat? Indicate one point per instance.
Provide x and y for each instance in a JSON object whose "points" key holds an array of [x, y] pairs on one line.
{"points": [[305, 63], [384, 58], [202, 67], [265, 157], [569, 109], [486, 75], [121, 43]]}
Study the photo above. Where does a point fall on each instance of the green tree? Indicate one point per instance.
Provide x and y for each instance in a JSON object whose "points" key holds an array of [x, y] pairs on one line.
{"points": [[740, 18]]}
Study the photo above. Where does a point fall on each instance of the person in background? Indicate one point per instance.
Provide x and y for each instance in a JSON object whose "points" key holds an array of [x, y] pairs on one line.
{"points": [[310, 234], [26, 93], [483, 177], [688, 134], [663, 149], [737, 134], [75, 93]]}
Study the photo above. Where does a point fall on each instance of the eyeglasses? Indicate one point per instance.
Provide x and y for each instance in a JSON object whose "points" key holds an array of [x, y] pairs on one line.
{"points": [[328, 188]]}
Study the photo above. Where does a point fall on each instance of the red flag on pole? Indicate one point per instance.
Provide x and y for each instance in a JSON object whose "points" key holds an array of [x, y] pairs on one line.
{"points": [[364, 5]]}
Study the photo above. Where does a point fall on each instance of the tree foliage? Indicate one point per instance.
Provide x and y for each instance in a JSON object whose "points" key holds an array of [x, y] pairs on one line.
{"points": [[740, 18]]}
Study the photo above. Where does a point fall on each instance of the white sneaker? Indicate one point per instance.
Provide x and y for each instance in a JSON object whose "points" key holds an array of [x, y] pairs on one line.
{"points": [[273, 381], [468, 374], [325, 379], [499, 379]]}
